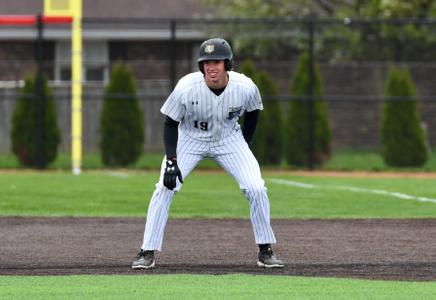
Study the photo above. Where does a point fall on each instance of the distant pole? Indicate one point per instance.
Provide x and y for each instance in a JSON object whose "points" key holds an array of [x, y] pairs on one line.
{"points": [[76, 88], [173, 52], [62, 11], [39, 86], [311, 95]]}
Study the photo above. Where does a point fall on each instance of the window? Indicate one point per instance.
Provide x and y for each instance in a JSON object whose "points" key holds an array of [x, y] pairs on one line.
{"points": [[94, 73], [65, 73], [62, 61], [95, 61]]}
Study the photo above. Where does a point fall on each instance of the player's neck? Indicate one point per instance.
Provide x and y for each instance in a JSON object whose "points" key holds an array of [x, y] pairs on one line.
{"points": [[217, 91]]}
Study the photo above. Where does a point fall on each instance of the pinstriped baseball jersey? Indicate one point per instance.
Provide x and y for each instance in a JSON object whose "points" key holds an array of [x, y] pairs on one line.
{"points": [[208, 128], [206, 116]]}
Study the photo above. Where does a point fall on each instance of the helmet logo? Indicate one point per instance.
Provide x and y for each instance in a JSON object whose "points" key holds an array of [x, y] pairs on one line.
{"points": [[209, 48]]}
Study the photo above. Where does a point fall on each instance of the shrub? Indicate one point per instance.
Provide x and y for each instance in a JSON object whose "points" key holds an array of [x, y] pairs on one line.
{"points": [[268, 138], [247, 68], [298, 123], [122, 124], [402, 136], [24, 133]]}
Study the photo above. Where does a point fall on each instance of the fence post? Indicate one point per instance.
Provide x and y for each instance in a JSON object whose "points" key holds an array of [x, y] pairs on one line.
{"points": [[311, 94], [173, 54], [39, 86]]}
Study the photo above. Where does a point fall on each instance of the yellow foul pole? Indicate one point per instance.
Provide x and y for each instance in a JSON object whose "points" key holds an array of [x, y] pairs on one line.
{"points": [[76, 88], [73, 8]]}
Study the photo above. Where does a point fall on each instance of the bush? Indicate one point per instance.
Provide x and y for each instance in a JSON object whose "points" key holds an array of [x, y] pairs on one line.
{"points": [[298, 126], [122, 121], [267, 141], [268, 138], [247, 68], [24, 133], [402, 136]]}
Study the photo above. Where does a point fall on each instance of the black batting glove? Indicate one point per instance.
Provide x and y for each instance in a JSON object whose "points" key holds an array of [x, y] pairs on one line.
{"points": [[172, 172]]}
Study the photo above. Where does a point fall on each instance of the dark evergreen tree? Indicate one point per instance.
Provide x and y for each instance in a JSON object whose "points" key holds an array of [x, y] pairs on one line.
{"points": [[248, 69], [268, 138], [122, 121], [299, 118], [25, 135], [403, 138]]}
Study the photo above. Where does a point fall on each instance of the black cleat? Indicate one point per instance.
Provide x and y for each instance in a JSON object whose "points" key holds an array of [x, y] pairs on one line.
{"points": [[144, 260], [267, 259]]}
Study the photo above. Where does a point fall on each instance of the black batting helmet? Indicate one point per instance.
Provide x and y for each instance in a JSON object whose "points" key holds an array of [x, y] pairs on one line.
{"points": [[215, 49]]}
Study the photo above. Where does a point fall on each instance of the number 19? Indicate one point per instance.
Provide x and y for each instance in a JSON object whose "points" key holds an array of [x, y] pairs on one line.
{"points": [[203, 125]]}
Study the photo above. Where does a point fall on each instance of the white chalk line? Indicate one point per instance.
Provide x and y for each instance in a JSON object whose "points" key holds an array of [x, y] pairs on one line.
{"points": [[293, 183], [118, 174], [353, 189]]}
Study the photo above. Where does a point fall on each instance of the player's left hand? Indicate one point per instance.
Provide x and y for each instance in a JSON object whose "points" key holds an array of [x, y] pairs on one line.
{"points": [[172, 172]]}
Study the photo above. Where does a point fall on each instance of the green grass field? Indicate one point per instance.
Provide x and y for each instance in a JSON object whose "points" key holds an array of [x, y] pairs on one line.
{"points": [[208, 287], [212, 195], [341, 160]]}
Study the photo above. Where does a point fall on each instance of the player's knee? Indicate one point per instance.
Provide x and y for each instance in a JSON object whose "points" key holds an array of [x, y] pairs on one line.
{"points": [[253, 189]]}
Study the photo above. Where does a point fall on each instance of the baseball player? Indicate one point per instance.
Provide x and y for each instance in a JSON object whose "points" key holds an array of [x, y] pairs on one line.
{"points": [[201, 121]]}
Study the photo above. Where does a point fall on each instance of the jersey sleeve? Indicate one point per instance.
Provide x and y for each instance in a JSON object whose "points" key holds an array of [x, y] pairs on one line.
{"points": [[254, 99], [174, 105]]}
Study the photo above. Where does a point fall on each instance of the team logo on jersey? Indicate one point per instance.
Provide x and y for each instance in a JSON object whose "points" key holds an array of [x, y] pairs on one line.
{"points": [[209, 48], [234, 112]]}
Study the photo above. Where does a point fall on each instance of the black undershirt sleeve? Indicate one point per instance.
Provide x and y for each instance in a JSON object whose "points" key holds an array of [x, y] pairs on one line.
{"points": [[250, 122], [171, 135]]}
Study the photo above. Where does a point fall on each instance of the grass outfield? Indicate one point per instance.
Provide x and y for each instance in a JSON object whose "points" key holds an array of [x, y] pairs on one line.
{"points": [[341, 160], [208, 287], [215, 195]]}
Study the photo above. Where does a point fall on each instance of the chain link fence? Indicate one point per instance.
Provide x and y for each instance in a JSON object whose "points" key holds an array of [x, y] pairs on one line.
{"points": [[354, 57]]}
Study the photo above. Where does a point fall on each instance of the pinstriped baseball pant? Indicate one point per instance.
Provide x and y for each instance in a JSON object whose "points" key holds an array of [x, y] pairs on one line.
{"points": [[234, 155]]}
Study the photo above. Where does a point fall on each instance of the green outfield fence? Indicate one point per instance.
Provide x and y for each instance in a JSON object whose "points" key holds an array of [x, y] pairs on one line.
{"points": [[354, 56]]}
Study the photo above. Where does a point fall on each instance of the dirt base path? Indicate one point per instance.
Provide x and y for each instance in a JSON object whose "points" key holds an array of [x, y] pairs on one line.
{"points": [[372, 249]]}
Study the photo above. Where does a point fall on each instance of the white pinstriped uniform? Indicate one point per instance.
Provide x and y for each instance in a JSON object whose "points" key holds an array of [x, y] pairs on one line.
{"points": [[209, 128]]}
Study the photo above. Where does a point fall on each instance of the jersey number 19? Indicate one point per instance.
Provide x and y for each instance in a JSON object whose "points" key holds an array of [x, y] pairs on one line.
{"points": [[203, 125]]}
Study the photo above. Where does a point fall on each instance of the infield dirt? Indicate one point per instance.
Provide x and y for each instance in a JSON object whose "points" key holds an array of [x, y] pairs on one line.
{"points": [[371, 249]]}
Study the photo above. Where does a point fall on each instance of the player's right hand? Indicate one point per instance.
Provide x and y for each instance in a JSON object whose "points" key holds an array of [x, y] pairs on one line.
{"points": [[172, 172]]}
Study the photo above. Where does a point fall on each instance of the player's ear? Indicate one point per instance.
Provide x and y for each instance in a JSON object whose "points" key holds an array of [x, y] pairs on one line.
{"points": [[228, 64]]}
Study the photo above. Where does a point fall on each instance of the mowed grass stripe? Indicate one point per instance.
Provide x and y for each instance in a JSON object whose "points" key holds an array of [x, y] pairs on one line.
{"points": [[236, 286], [209, 195], [353, 189]]}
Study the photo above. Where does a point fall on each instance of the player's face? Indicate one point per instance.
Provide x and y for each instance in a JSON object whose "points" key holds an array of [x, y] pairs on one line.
{"points": [[215, 74]]}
